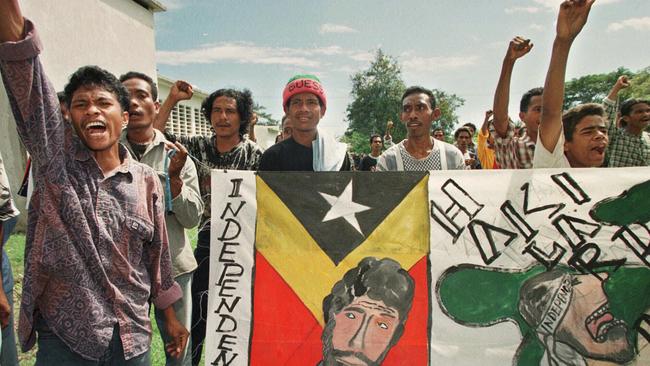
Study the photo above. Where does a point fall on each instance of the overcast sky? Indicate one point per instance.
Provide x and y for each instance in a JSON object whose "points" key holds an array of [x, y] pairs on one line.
{"points": [[453, 45]]}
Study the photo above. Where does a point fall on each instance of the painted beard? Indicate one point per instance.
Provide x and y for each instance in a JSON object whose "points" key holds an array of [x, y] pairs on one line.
{"points": [[616, 333], [331, 355]]}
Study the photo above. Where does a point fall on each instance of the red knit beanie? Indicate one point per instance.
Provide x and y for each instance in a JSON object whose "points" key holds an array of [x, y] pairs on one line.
{"points": [[304, 83]]}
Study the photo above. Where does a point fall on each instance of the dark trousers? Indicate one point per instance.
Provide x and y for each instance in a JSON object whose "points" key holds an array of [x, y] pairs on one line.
{"points": [[52, 351], [200, 283]]}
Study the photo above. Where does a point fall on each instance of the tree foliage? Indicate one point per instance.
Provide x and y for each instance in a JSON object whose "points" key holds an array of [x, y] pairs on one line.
{"points": [[264, 118], [448, 104], [639, 85], [376, 95], [593, 88], [376, 99]]}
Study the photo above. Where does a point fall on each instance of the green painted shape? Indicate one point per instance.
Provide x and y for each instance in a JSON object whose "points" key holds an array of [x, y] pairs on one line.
{"points": [[628, 291], [480, 297], [631, 207]]}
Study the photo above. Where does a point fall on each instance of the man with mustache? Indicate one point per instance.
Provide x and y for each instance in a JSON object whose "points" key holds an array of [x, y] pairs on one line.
{"points": [[419, 151], [229, 112], [629, 145], [149, 146], [96, 252], [570, 314], [365, 313], [308, 148]]}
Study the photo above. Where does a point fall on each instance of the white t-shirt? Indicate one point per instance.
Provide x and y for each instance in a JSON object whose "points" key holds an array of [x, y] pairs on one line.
{"points": [[546, 159]]}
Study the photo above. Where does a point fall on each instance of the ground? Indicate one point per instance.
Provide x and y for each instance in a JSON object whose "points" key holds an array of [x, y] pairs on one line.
{"points": [[15, 248]]}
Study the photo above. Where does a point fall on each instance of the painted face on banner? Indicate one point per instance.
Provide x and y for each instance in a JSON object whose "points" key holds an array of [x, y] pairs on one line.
{"points": [[590, 328], [363, 331]]}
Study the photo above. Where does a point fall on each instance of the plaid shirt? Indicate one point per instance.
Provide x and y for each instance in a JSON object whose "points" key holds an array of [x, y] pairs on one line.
{"points": [[624, 149], [512, 152]]}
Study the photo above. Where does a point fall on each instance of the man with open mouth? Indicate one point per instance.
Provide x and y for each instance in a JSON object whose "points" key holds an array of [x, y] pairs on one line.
{"points": [[629, 143], [571, 316], [577, 138], [96, 250]]}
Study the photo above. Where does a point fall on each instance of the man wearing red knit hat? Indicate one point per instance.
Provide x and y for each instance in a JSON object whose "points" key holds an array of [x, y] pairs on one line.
{"points": [[308, 149]]}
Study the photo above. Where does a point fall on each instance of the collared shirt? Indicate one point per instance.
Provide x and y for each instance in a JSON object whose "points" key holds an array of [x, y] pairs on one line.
{"points": [[96, 248], [624, 149], [187, 206], [244, 156], [513, 152], [7, 207]]}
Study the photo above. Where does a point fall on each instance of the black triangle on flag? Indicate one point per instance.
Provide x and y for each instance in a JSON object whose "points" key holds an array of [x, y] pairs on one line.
{"points": [[362, 200]]}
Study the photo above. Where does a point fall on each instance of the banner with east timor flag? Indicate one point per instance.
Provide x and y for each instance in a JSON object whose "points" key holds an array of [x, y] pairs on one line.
{"points": [[408, 268]]}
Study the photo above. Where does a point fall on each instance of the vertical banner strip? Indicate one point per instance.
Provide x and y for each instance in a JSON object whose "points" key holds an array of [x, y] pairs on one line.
{"points": [[232, 239]]}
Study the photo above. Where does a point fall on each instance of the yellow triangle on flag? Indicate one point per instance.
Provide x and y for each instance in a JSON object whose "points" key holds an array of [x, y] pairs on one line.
{"points": [[290, 249]]}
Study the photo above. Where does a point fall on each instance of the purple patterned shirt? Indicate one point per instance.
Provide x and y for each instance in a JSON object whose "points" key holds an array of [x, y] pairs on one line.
{"points": [[96, 248]]}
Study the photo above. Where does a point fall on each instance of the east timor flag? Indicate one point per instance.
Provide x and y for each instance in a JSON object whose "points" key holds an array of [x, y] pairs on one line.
{"points": [[311, 229]]}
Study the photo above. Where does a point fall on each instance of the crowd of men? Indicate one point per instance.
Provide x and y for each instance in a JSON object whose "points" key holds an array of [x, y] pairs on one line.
{"points": [[113, 193]]}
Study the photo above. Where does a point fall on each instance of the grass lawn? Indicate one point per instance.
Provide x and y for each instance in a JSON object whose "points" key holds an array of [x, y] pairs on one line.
{"points": [[15, 248]]}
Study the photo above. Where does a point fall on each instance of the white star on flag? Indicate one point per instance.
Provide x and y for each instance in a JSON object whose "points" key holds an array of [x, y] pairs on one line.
{"points": [[343, 206]]}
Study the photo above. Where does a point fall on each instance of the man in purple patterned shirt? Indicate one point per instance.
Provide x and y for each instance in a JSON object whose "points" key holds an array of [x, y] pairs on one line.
{"points": [[96, 249]]}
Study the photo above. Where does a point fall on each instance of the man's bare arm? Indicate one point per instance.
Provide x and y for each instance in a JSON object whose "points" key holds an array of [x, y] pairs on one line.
{"points": [[486, 120], [621, 83], [12, 25], [571, 19], [517, 48], [181, 90]]}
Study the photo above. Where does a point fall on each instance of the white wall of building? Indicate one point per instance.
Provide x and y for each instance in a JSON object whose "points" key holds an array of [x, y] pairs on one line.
{"points": [[186, 118], [117, 35]]}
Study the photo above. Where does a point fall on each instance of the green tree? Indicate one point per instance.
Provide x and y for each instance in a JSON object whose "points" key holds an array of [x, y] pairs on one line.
{"points": [[376, 94], [264, 118], [448, 104], [591, 88], [376, 99], [639, 85]]}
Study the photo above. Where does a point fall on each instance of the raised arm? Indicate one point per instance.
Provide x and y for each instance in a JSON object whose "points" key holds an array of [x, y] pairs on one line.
{"points": [[571, 19], [621, 83], [610, 103], [486, 120], [32, 98], [13, 24], [388, 138], [517, 48], [181, 90]]}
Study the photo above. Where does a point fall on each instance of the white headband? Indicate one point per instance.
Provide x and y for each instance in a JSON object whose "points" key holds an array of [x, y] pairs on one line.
{"points": [[558, 307], [558, 353]]}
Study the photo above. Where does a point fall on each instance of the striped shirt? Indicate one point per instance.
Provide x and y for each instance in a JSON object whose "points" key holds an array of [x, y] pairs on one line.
{"points": [[513, 152]]}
